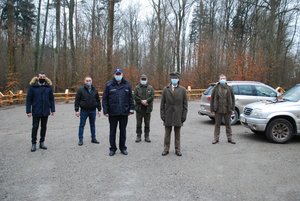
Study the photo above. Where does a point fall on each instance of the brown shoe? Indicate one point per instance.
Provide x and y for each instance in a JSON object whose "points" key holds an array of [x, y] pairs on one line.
{"points": [[164, 153], [231, 142], [215, 141], [178, 153]]}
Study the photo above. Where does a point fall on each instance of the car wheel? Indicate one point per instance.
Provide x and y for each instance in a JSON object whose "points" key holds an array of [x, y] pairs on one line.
{"points": [[234, 118], [279, 131]]}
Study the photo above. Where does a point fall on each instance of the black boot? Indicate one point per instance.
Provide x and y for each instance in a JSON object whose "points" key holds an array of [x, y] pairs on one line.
{"points": [[42, 145], [33, 147]]}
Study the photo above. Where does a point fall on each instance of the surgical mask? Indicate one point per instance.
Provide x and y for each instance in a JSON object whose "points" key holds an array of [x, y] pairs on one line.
{"points": [[118, 77], [143, 82], [42, 81], [174, 81], [88, 84], [222, 81]]}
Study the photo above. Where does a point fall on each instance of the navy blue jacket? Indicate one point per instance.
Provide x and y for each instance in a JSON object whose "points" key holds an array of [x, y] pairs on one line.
{"points": [[87, 101], [117, 98], [40, 99]]}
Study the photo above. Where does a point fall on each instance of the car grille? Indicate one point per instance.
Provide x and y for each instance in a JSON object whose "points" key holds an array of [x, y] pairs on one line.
{"points": [[247, 111]]}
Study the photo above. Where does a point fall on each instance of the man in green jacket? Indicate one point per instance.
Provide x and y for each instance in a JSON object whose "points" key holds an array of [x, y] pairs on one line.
{"points": [[143, 96], [173, 112]]}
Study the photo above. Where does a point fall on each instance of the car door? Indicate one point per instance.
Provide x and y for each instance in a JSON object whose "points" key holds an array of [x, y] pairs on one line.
{"points": [[265, 93], [246, 94]]}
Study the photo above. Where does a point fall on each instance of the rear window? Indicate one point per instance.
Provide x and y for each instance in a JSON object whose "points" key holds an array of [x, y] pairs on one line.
{"points": [[208, 91]]}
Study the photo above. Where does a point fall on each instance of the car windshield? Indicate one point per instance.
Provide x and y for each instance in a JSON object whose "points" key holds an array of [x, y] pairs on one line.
{"points": [[292, 94], [208, 91]]}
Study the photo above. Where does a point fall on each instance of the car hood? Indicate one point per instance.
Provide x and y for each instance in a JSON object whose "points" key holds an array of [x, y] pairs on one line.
{"points": [[269, 105]]}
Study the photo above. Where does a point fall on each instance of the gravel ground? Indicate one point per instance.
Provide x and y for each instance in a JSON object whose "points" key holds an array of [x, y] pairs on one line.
{"points": [[251, 170]]}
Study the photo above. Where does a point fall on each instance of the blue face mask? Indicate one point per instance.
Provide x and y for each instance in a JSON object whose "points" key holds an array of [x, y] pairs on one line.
{"points": [[222, 82], [143, 82], [118, 77], [174, 81]]}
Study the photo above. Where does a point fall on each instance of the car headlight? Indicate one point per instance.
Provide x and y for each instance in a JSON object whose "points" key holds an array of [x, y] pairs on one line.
{"points": [[257, 113]]}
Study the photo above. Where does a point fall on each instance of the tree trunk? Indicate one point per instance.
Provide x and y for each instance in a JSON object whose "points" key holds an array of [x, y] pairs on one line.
{"points": [[44, 35], [57, 49], [37, 40], [72, 44], [110, 32]]}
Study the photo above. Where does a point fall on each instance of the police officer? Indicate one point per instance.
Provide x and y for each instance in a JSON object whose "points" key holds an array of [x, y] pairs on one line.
{"points": [[117, 102], [143, 96]]}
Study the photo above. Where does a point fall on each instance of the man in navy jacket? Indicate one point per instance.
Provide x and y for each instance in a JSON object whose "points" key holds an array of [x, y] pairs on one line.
{"points": [[39, 104], [117, 102]]}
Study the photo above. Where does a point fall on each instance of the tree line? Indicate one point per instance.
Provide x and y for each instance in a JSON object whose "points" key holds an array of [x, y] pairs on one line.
{"points": [[68, 39]]}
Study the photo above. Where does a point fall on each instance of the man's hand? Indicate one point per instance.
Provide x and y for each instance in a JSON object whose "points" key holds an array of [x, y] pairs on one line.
{"points": [[106, 115], [29, 114], [77, 114], [99, 113], [52, 113], [144, 102]]}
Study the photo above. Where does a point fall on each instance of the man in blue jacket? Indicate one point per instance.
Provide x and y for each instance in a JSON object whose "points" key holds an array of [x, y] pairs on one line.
{"points": [[39, 104], [117, 102]]}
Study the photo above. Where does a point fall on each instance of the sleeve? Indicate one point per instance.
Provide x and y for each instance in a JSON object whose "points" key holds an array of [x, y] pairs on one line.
{"points": [[98, 101], [77, 100], [131, 102], [151, 97], [233, 99], [105, 100], [137, 96], [212, 100], [52, 101], [29, 100], [163, 105], [184, 106]]}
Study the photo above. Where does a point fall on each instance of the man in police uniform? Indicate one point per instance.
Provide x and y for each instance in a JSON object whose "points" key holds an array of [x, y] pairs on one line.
{"points": [[143, 96]]}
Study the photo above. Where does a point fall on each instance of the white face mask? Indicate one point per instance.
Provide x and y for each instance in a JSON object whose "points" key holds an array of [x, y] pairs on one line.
{"points": [[143, 82], [174, 81]]}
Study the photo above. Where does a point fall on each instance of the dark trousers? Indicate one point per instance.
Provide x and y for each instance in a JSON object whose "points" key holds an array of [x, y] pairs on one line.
{"points": [[139, 120], [35, 126], [92, 118], [113, 123], [167, 140], [218, 121]]}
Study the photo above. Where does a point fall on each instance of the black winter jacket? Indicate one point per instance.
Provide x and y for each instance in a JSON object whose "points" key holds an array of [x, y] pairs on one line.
{"points": [[87, 101], [117, 98]]}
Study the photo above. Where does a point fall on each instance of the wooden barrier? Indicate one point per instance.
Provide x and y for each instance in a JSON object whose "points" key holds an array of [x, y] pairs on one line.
{"points": [[68, 96]]}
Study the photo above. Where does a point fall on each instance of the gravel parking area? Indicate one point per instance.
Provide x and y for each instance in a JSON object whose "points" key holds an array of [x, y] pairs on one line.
{"points": [[251, 170]]}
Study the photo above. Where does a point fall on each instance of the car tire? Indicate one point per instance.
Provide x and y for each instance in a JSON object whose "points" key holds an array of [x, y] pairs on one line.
{"points": [[279, 131]]}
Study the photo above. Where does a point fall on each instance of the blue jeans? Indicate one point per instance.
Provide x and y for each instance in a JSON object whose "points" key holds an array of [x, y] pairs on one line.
{"points": [[92, 118]]}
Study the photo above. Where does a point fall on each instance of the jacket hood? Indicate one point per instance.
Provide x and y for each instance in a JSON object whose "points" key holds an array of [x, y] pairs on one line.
{"points": [[34, 81]]}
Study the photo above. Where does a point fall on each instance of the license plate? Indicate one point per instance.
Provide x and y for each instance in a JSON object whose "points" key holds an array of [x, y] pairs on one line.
{"points": [[243, 120]]}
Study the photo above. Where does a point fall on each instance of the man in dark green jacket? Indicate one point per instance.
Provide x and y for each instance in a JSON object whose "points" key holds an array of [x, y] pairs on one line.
{"points": [[143, 96]]}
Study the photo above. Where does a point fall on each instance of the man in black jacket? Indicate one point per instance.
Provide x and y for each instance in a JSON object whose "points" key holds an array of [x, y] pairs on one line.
{"points": [[117, 102], [39, 104], [88, 100]]}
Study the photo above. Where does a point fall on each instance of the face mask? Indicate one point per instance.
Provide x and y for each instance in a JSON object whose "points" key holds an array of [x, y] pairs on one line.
{"points": [[42, 81], [143, 82], [88, 84], [118, 77], [174, 81], [222, 82]]}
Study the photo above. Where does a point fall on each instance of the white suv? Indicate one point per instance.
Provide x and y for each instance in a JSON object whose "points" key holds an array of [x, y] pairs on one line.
{"points": [[245, 92], [279, 120]]}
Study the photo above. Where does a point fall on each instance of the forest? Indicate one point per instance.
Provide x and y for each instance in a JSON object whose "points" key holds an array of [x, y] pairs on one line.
{"points": [[69, 39]]}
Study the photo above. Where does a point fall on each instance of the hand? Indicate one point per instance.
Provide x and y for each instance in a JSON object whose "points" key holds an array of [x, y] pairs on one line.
{"points": [[52, 113], [144, 102], [29, 114], [77, 114], [99, 114], [107, 115]]}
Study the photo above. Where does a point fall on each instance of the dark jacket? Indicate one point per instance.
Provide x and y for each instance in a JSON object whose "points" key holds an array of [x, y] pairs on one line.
{"points": [[222, 99], [143, 92], [87, 101], [117, 98], [40, 99], [173, 106]]}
